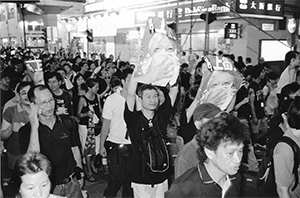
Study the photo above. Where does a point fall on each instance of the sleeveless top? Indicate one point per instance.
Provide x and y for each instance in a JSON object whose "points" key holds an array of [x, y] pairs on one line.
{"points": [[95, 105]]}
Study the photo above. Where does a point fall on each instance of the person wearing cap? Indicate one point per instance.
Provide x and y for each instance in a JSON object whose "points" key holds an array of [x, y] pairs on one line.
{"points": [[187, 156], [220, 150]]}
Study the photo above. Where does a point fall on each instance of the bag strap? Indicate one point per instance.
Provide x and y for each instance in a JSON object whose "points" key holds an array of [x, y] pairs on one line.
{"points": [[296, 151]]}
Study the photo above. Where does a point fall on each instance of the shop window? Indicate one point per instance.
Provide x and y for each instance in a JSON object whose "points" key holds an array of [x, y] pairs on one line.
{"points": [[38, 28], [29, 28]]}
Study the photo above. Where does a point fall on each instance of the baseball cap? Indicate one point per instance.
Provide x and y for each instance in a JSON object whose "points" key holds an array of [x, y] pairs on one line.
{"points": [[206, 110]]}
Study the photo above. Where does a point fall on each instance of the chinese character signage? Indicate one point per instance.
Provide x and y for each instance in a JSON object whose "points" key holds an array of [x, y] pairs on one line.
{"points": [[184, 11], [231, 31], [273, 9]]}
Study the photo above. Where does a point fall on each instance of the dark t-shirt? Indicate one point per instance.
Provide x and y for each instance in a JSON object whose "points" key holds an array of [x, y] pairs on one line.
{"points": [[245, 110], [134, 126], [6, 95], [55, 144], [259, 110], [64, 100]]}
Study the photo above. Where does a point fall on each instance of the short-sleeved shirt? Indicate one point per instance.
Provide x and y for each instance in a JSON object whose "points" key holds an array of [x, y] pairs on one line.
{"points": [[186, 158], [56, 144], [259, 110], [196, 182], [283, 166], [113, 110], [134, 126], [284, 79], [17, 117]]}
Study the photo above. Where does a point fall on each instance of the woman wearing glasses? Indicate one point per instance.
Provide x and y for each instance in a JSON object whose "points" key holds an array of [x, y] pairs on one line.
{"points": [[12, 120]]}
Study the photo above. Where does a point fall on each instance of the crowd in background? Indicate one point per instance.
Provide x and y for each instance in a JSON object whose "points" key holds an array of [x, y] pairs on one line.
{"points": [[81, 85]]}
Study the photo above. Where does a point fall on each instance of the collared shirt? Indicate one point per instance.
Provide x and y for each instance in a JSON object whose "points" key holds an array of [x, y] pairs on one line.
{"points": [[56, 144], [197, 182]]}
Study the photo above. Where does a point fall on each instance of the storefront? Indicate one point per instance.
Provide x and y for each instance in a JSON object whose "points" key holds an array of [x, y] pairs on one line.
{"points": [[119, 30]]}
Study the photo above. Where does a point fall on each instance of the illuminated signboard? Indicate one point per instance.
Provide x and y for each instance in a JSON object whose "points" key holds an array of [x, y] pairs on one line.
{"points": [[184, 10], [272, 9], [231, 31]]}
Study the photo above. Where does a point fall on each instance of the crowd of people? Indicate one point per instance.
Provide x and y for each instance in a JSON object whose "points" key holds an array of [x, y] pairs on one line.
{"points": [[54, 132]]}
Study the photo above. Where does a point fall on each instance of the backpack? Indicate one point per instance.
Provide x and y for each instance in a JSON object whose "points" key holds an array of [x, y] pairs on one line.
{"points": [[265, 180], [154, 151]]}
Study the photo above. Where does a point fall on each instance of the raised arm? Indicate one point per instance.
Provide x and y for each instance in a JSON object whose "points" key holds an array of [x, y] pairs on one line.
{"points": [[34, 143]]}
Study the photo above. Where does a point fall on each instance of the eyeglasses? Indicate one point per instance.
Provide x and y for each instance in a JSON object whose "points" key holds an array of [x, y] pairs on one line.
{"points": [[44, 104]]}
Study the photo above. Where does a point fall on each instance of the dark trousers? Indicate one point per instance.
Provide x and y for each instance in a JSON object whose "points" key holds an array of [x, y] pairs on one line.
{"points": [[119, 163]]}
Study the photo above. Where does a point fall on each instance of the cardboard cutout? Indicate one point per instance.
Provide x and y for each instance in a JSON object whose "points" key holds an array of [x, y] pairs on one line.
{"points": [[35, 71], [221, 80], [159, 48]]}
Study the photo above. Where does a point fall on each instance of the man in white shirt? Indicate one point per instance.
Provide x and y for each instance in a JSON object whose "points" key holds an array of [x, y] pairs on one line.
{"points": [[113, 141]]}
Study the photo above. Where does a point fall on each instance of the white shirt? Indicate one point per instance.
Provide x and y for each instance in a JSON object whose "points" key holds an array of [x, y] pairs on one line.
{"points": [[113, 110]]}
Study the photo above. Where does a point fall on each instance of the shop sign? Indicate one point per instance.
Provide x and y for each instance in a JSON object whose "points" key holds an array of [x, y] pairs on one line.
{"points": [[268, 27], [184, 11], [231, 31], [261, 8]]}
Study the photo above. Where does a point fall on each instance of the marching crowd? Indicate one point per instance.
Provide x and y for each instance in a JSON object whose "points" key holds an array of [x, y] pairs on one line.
{"points": [[54, 129]]}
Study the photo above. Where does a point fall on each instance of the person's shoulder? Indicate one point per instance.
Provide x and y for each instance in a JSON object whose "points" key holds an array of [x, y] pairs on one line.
{"points": [[191, 176]]}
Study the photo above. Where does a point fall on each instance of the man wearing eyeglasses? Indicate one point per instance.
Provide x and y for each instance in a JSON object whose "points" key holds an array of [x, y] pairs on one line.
{"points": [[56, 137]]}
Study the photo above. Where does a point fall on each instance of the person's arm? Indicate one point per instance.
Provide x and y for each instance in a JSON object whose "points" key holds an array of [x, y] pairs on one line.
{"points": [[131, 96], [283, 192], [190, 111], [81, 103], [252, 98], [103, 136], [77, 156], [34, 143], [238, 105], [6, 129]]}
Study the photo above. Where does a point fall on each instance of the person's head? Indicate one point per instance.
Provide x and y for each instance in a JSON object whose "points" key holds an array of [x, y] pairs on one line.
{"points": [[248, 60], [116, 85], [77, 59], [293, 114], [32, 176], [126, 76], [148, 97], [292, 58], [17, 64], [22, 91], [111, 57], [287, 96], [84, 67], [257, 72], [62, 72], [221, 142], [54, 80], [91, 65], [183, 53], [79, 79], [93, 85], [67, 67], [205, 112], [43, 98], [272, 77], [184, 67], [5, 79], [123, 65]]}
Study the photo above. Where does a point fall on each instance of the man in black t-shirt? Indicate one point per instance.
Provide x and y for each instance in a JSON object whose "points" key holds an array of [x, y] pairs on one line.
{"points": [[56, 138], [256, 99], [155, 115]]}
